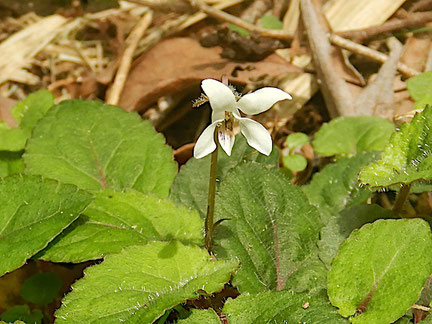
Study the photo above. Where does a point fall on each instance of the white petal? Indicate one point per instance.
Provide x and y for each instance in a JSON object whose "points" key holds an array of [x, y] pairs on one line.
{"points": [[220, 96], [205, 143], [256, 135], [260, 100], [226, 141]]}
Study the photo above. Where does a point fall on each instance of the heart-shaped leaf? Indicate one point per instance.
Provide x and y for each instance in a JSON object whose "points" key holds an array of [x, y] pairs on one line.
{"points": [[407, 158], [141, 282], [117, 219], [381, 269], [336, 186], [271, 229], [42, 288], [33, 211], [97, 146], [347, 136], [190, 187], [282, 307], [420, 86], [339, 227]]}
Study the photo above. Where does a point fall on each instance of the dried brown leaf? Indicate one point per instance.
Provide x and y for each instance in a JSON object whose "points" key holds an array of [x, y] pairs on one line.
{"points": [[176, 64]]}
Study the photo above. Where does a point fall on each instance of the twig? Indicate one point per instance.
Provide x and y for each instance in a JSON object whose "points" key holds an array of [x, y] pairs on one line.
{"points": [[370, 53], [165, 5], [412, 20], [219, 14], [420, 307], [114, 92], [256, 10], [421, 5]]}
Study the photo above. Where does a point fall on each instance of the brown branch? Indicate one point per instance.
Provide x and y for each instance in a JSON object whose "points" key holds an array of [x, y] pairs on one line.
{"points": [[370, 53], [221, 15], [415, 19], [421, 5], [336, 94]]}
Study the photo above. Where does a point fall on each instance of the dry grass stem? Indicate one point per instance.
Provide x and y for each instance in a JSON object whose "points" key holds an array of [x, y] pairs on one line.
{"points": [[114, 92]]}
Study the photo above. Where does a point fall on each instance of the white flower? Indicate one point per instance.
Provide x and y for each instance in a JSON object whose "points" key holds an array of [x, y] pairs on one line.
{"points": [[226, 110]]}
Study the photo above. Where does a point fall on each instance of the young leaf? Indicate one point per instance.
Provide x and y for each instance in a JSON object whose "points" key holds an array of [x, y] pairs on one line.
{"points": [[271, 228], [407, 158], [97, 146], [339, 227], [141, 282], [117, 219], [33, 211], [12, 139], [381, 269], [270, 22], [207, 316], [41, 288], [30, 110], [21, 312], [296, 140], [241, 31], [294, 162], [10, 163], [27, 113], [190, 187], [282, 307], [420, 86], [336, 187], [347, 136]]}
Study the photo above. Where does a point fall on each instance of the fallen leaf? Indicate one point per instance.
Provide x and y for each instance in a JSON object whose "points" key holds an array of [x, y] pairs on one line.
{"points": [[175, 64]]}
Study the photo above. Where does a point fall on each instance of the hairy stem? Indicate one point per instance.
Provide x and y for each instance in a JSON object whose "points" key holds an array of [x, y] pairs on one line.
{"points": [[209, 220], [401, 198]]}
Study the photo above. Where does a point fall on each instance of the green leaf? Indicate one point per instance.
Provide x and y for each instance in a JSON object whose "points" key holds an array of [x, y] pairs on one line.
{"points": [[270, 22], [339, 227], [381, 269], [10, 163], [33, 211], [117, 219], [336, 187], [207, 316], [27, 113], [97, 146], [241, 31], [41, 288], [296, 140], [347, 136], [12, 139], [140, 283], [420, 86], [271, 228], [190, 187], [406, 158], [30, 110], [22, 312], [281, 307], [295, 162]]}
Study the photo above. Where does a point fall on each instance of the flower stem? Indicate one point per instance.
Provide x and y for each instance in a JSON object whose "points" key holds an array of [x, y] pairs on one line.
{"points": [[401, 198], [209, 220]]}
